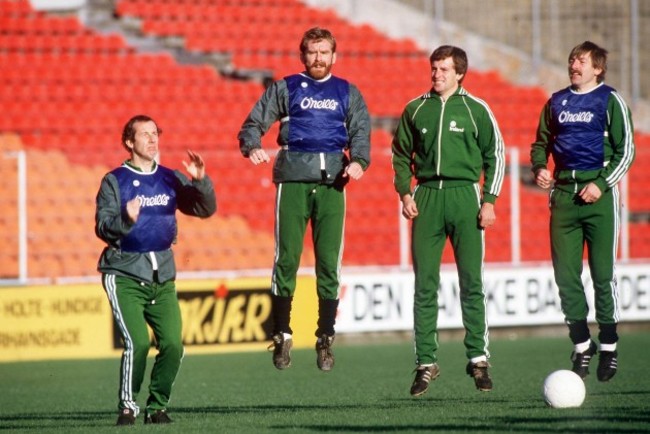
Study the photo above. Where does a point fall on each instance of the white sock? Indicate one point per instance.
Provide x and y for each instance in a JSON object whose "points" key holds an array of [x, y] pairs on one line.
{"points": [[478, 359], [581, 348], [286, 336], [608, 347]]}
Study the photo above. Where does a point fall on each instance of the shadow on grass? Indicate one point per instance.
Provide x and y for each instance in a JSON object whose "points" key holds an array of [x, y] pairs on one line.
{"points": [[570, 421], [486, 427], [595, 419], [39, 421], [392, 404]]}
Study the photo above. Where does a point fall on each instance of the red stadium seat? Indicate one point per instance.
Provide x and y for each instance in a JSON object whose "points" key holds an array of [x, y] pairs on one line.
{"points": [[70, 89]]}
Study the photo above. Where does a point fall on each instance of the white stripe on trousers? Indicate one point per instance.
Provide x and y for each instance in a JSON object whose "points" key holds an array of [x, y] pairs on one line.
{"points": [[126, 391]]}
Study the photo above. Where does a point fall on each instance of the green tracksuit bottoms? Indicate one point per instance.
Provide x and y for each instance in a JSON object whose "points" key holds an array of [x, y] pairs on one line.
{"points": [[135, 305], [573, 225], [448, 213], [323, 205]]}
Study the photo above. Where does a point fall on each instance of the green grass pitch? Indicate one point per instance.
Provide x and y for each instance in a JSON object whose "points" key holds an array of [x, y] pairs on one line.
{"points": [[368, 391]]}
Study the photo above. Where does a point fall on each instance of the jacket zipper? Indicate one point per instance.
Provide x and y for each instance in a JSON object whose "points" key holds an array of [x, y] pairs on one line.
{"points": [[442, 112]]}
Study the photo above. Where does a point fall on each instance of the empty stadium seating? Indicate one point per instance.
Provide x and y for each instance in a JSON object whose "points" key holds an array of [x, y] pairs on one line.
{"points": [[68, 90], [60, 226]]}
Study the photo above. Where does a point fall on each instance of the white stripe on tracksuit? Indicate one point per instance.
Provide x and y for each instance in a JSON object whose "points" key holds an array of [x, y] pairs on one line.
{"points": [[126, 392]]}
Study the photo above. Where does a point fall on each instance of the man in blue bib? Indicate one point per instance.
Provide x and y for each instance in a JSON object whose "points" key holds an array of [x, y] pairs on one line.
{"points": [[324, 142], [587, 128], [136, 218]]}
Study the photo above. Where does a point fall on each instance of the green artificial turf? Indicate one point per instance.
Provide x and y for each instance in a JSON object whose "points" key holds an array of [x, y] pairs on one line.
{"points": [[368, 391]]}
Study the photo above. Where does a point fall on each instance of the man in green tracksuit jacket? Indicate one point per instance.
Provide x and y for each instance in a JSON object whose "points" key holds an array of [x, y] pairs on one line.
{"points": [[588, 130], [447, 138]]}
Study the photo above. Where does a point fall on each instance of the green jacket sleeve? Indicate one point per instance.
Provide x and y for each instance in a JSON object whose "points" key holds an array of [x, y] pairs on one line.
{"points": [[492, 148], [620, 132], [541, 147], [402, 149]]}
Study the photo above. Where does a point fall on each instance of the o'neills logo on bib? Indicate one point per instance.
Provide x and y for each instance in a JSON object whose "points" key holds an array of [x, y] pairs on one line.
{"points": [[322, 104], [575, 117], [157, 200]]}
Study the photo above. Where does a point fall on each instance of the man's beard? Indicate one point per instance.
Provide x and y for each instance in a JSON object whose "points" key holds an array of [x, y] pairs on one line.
{"points": [[320, 73]]}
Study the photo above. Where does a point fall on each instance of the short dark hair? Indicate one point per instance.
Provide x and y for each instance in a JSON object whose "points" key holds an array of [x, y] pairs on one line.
{"points": [[458, 55], [598, 57], [128, 133], [316, 34]]}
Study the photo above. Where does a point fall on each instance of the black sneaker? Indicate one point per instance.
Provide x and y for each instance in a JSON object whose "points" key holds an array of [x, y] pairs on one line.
{"points": [[581, 360], [324, 356], [158, 416], [423, 376], [126, 417], [607, 365], [281, 351], [479, 371]]}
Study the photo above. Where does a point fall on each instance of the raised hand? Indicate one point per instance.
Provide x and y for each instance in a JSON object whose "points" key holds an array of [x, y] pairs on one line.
{"points": [[196, 167]]}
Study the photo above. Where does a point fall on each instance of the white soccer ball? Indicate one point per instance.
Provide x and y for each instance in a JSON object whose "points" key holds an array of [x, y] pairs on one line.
{"points": [[564, 389]]}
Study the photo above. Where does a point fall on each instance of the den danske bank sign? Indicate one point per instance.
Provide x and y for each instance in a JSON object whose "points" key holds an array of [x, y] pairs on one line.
{"points": [[515, 297]]}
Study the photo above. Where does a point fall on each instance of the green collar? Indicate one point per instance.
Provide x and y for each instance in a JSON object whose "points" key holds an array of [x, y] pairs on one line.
{"points": [[128, 163]]}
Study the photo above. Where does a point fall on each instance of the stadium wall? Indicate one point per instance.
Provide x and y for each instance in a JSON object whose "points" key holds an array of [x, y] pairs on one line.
{"points": [[228, 315]]}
